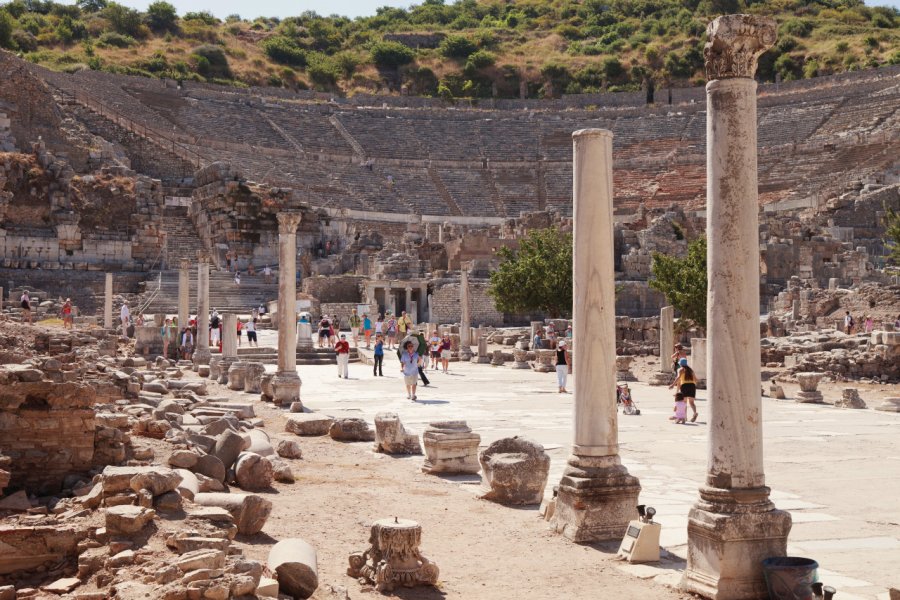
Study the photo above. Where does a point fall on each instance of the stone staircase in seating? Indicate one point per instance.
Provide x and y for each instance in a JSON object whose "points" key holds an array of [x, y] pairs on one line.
{"points": [[315, 356], [224, 294]]}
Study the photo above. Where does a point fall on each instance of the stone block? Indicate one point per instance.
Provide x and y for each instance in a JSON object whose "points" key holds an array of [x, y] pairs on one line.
{"points": [[515, 471], [308, 424], [850, 399], [253, 472], [351, 430], [288, 449], [392, 438], [294, 563], [249, 511], [127, 519], [450, 447]]}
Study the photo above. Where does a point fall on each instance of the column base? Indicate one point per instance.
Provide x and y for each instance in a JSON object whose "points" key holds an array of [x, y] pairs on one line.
{"points": [[201, 357], [286, 388], [225, 364], [661, 378], [730, 532], [465, 353], [597, 498]]}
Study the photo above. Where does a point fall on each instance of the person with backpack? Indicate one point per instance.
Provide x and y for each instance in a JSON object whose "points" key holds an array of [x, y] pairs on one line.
{"points": [[355, 322], [214, 328], [686, 381]]}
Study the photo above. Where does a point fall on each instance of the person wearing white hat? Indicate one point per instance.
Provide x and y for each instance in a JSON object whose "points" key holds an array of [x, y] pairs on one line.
{"points": [[562, 365]]}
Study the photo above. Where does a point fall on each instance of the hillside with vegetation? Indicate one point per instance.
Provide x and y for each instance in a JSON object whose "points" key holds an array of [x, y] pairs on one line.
{"points": [[471, 48]]}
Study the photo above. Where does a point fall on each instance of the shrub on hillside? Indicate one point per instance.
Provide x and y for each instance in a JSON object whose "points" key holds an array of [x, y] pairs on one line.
{"points": [[124, 20], [6, 30], [116, 40], [457, 46], [162, 16], [216, 64], [284, 51], [390, 55]]}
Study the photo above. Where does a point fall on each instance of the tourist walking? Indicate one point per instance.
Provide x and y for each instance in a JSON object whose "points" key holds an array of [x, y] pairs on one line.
{"points": [[237, 277], [446, 346], [391, 328], [324, 330], [67, 314], [25, 302], [125, 317], [164, 332], [355, 322], [378, 356], [214, 330], [848, 323], [562, 366], [187, 344], [379, 326], [869, 324], [434, 346], [240, 327], [367, 329], [267, 274], [251, 332], [423, 352], [342, 348], [676, 357], [686, 381], [404, 324], [409, 366]]}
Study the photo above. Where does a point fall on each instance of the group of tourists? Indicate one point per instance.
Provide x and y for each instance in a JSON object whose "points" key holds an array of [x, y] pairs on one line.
{"points": [[186, 336], [549, 338]]}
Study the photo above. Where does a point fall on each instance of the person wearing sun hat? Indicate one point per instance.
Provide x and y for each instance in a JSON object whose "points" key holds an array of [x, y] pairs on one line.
{"points": [[562, 365]]}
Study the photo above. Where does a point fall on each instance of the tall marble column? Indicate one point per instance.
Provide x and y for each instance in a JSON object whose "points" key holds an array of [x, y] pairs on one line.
{"points": [[184, 293], [733, 526], [108, 303], [409, 311], [286, 382], [665, 375], [597, 496], [465, 324], [202, 353], [229, 336]]}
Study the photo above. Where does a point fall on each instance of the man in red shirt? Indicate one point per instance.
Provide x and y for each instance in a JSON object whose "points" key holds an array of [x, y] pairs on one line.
{"points": [[343, 357]]}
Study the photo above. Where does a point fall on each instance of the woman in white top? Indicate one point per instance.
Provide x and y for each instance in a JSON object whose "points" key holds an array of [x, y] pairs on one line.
{"points": [[379, 326]]}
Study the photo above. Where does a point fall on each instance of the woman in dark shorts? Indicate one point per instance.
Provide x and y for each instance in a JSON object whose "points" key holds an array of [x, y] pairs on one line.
{"points": [[687, 385]]}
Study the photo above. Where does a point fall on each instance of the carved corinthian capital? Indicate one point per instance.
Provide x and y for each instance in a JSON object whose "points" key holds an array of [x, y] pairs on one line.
{"points": [[185, 264], [735, 43], [288, 221]]}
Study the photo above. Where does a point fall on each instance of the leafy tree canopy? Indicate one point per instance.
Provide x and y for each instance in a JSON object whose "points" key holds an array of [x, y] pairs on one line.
{"points": [[537, 277], [892, 233], [683, 281]]}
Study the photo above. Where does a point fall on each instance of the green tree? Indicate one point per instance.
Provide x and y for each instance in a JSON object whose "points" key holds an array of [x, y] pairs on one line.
{"points": [[162, 16], [7, 24], [892, 233], [537, 276], [683, 281], [124, 20]]}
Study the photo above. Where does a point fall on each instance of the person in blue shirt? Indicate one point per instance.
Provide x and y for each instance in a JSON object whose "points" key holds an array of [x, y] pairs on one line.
{"points": [[379, 357], [367, 329], [409, 366]]}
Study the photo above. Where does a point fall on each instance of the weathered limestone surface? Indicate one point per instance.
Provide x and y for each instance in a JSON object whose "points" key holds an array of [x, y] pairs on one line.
{"points": [[201, 352], [253, 472], [734, 525], [514, 471], [286, 383], [308, 424], [250, 511], [108, 302], [392, 438], [450, 447], [351, 430], [393, 558], [850, 399], [184, 293], [295, 564], [597, 496], [809, 383]]}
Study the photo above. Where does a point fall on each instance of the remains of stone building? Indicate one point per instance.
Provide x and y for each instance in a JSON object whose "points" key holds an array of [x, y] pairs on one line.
{"points": [[450, 447], [514, 471], [392, 438]]}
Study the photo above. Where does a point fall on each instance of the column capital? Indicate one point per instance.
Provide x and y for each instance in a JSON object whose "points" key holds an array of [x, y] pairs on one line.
{"points": [[185, 264], [202, 257], [735, 44], [288, 221]]}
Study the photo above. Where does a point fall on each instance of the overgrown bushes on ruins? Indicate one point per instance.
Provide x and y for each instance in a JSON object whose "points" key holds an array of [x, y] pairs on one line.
{"points": [[471, 48], [683, 280]]}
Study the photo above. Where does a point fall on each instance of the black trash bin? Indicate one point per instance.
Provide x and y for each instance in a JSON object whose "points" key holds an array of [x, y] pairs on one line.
{"points": [[790, 577]]}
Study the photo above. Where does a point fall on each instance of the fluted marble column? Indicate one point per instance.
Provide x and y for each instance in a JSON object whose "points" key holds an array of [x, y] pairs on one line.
{"points": [[108, 303], [286, 382], [733, 526], [465, 322], [597, 496], [184, 294], [202, 353]]}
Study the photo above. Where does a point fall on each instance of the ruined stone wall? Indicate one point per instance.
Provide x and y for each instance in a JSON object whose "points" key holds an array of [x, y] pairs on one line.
{"points": [[445, 306], [637, 299], [85, 288], [47, 429], [344, 288]]}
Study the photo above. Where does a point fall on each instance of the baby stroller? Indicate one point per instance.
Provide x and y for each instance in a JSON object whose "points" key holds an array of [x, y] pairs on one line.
{"points": [[623, 399]]}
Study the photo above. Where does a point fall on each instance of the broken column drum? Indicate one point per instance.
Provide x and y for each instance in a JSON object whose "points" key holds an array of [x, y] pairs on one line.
{"points": [[393, 558], [734, 525], [450, 447], [201, 352], [286, 383], [597, 496]]}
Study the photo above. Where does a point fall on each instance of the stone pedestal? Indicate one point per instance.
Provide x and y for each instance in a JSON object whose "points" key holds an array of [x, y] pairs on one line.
{"points": [[450, 447], [850, 399], [809, 393], [201, 351], [392, 438], [483, 356], [597, 496], [286, 383], [520, 355], [623, 368], [304, 336], [184, 294], [497, 359], [393, 558], [733, 526], [514, 471], [108, 302], [545, 361]]}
